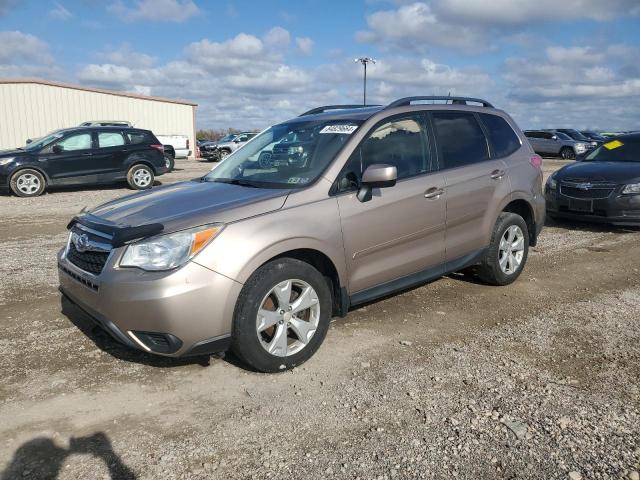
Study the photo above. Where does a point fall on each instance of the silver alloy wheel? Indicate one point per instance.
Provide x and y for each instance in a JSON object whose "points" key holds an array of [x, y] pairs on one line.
{"points": [[511, 250], [224, 154], [167, 162], [142, 178], [288, 317], [28, 183]]}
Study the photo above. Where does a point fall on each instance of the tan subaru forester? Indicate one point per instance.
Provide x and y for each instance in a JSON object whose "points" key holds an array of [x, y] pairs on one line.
{"points": [[334, 208]]}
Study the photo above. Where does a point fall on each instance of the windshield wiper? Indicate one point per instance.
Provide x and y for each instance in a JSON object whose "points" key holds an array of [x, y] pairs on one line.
{"points": [[236, 181]]}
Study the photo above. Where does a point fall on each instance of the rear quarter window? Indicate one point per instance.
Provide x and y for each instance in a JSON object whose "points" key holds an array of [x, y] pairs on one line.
{"points": [[140, 137], [502, 137]]}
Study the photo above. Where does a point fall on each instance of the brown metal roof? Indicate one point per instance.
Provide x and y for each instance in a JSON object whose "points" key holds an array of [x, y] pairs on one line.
{"points": [[91, 89]]}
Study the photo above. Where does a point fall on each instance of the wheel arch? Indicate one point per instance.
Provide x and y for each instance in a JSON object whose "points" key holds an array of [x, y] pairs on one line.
{"points": [[315, 257], [31, 167], [522, 207]]}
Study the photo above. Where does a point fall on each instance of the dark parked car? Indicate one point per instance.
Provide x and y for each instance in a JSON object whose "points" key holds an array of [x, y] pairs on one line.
{"points": [[603, 187], [82, 156], [593, 136]]}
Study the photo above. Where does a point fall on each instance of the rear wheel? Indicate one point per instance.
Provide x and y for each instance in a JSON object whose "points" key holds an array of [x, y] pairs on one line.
{"points": [[282, 315], [169, 161], [27, 183], [567, 153], [140, 177], [508, 251]]}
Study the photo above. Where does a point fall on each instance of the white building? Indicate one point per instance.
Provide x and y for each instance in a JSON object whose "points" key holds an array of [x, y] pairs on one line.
{"points": [[32, 108]]}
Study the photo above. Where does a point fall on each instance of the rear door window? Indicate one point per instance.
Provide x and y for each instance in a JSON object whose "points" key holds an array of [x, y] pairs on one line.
{"points": [[110, 139], [503, 139], [459, 138]]}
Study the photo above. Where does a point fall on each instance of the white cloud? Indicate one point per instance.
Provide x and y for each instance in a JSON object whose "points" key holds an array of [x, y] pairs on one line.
{"points": [[473, 25], [59, 12], [23, 48], [124, 55], [277, 37], [305, 45], [156, 10]]}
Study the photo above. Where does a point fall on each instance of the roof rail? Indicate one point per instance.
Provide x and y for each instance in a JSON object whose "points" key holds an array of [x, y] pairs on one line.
{"points": [[326, 108], [454, 101]]}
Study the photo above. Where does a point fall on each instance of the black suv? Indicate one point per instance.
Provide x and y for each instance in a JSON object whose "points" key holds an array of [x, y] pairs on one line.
{"points": [[81, 156]]}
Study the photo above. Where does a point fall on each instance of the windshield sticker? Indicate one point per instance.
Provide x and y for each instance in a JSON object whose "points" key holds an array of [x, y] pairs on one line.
{"points": [[298, 180], [613, 144], [345, 129]]}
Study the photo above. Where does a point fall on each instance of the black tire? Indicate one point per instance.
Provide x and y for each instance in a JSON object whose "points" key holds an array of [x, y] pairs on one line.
{"points": [[35, 186], [489, 270], [170, 161], [567, 153], [246, 343], [223, 154], [135, 175]]}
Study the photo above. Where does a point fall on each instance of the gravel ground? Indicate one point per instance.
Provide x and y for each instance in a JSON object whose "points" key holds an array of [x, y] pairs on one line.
{"points": [[454, 379]]}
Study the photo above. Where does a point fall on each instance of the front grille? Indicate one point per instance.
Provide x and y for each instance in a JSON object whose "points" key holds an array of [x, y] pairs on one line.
{"points": [[86, 282], [594, 192], [92, 262]]}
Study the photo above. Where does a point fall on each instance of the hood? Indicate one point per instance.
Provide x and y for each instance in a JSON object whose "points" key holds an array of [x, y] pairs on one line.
{"points": [[614, 172], [189, 204], [11, 153]]}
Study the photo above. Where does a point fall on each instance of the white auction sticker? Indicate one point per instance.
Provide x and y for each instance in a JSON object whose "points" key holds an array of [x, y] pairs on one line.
{"points": [[346, 129]]}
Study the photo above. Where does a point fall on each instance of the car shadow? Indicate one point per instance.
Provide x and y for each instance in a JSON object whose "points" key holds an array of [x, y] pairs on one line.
{"points": [[108, 344], [42, 458]]}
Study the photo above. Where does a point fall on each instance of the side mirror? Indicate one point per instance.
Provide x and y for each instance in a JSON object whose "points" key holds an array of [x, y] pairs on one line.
{"points": [[57, 149], [555, 137], [28, 141], [236, 140], [379, 175]]}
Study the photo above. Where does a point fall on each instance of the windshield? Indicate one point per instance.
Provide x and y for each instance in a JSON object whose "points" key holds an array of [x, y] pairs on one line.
{"points": [[228, 137], [286, 155], [576, 135], [618, 150], [44, 141]]}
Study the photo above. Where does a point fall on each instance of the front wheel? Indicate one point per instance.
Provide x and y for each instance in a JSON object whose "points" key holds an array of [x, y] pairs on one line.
{"points": [[508, 251], [140, 177], [223, 154], [567, 153], [282, 315], [27, 183]]}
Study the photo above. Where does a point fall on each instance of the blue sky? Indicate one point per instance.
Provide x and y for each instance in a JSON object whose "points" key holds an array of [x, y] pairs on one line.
{"points": [[251, 63]]}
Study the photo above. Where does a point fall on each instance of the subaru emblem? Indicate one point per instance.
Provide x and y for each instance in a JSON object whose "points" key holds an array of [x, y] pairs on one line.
{"points": [[81, 242]]}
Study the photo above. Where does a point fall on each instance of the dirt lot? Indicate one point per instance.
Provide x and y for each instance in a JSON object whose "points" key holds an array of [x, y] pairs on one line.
{"points": [[455, 379]]}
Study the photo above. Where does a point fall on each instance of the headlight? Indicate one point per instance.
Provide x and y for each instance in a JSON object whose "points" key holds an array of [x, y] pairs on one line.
{"points": [[581, 147], [632, 189], [6, 161], [552, 184], [165, 252], [295, 150]]}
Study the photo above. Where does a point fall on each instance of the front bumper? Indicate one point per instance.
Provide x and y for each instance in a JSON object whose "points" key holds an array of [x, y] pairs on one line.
{"points": [[616, 209], [187, 311]]}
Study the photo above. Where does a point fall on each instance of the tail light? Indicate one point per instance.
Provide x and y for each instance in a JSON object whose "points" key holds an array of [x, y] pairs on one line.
{"points": [[536, 161], [160, 148]]}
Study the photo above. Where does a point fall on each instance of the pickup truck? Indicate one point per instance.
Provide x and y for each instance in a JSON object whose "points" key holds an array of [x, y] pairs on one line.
{"points": [[176, 146]]}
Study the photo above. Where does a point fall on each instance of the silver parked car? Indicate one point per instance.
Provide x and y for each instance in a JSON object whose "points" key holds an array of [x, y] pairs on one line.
{"points": [[216, 151], [352, 204], [555, 144]]}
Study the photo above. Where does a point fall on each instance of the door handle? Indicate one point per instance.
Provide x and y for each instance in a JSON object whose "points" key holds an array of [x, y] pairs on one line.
{"points": [[497, 174], [433, 193]]}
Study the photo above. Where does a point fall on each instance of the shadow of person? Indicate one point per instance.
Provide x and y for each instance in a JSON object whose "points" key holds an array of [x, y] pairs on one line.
{"points": [[41, 458]]}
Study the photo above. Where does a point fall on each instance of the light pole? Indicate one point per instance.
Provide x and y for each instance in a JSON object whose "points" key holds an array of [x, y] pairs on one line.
{"points": [[364, 61]]}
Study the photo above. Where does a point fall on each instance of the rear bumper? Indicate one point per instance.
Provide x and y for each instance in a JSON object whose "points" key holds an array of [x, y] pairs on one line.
{"points": [[184, 312], [616, 209]]}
